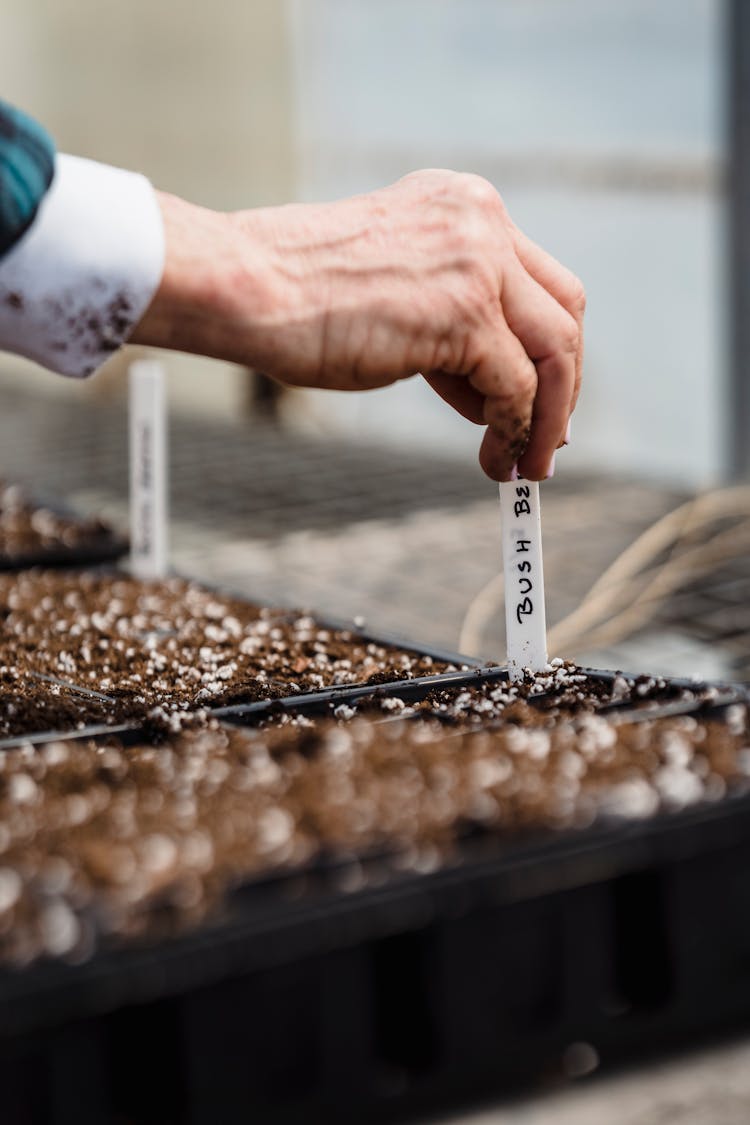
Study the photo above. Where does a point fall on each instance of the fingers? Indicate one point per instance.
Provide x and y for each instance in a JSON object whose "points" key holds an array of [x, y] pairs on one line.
{"points": [[458, 392], [507, 380], [522, 386], [562, 284], [549, 335]]}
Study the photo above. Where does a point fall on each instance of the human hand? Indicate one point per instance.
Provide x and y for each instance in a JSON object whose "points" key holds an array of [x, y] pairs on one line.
{"points": [[429, 275]]}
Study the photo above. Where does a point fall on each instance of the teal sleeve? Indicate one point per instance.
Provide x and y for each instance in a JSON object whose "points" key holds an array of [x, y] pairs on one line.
{"points": [[27, 164]]}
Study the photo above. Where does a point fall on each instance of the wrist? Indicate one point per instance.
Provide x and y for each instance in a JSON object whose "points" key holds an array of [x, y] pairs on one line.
{"points": [[211, 281]]}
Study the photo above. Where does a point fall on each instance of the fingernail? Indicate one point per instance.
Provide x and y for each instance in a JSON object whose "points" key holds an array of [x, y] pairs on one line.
{"points": [[551, 470], [566, 439], [514, 473]]}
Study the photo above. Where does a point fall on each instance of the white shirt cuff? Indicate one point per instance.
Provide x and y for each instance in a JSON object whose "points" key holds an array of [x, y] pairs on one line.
{"points": [[79, 280]]}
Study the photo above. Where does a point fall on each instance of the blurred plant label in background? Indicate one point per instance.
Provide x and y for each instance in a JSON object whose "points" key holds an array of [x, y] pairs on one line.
{"points": [[525, 621], [148, 470]]}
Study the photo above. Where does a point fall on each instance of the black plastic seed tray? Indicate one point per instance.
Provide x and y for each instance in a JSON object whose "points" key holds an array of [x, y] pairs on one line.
{"points": [[102, 545], [326, 701], [106, 546], [688, 696], [367, 993]]}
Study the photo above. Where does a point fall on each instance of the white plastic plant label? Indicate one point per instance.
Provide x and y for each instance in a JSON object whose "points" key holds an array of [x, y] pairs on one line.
{"points": [[148, 470], [525, 620]]}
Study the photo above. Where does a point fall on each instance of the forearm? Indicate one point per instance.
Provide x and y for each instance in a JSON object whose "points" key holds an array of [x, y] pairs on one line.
{"points": [[228, 289]]}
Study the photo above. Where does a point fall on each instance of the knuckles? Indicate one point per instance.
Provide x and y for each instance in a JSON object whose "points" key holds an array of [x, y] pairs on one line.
{"points": [[479, 192], [464, 191], [522, 381], [576, 296]]}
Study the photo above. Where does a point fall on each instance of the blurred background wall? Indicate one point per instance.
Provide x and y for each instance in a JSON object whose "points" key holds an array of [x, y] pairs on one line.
{"points": [[601, 123]]}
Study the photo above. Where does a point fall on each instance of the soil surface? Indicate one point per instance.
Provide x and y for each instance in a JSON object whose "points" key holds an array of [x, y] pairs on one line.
{"points": [[171, 646]]}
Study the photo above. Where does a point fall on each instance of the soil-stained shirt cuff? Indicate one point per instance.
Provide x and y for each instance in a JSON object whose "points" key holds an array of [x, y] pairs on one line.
{"points": [[79, 280]]}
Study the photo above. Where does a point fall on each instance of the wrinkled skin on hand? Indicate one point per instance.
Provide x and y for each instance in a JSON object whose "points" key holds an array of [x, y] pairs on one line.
{"points": [[427, 276]]}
